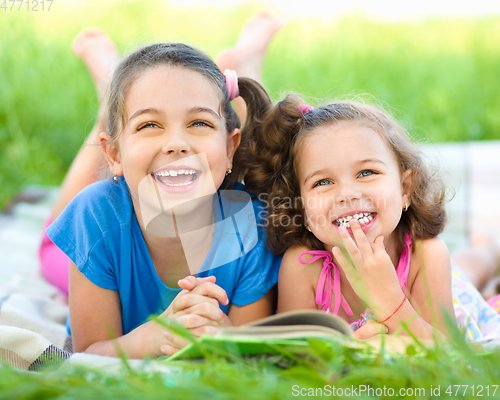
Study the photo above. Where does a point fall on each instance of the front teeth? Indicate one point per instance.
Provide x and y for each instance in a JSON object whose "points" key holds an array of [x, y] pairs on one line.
{"points": [[177, 173], [363, 219]]}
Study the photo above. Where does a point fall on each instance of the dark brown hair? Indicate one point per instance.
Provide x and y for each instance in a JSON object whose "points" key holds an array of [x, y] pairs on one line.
{"points": [[181, 55], [272, 173]]}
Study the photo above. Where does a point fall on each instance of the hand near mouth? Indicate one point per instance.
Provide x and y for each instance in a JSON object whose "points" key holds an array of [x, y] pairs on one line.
{"points": [[368, 269]]}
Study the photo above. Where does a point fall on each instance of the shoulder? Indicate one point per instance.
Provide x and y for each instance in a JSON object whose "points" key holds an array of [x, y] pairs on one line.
{"points": [[105, 200], [433, 255], [432, 250], [297, 282], [239, 194], [105, 192], [291, 263], [99, 207]]}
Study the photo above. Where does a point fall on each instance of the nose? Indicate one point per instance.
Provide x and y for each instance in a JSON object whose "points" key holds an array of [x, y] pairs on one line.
{"points": [[175, 142], [347, 192]]}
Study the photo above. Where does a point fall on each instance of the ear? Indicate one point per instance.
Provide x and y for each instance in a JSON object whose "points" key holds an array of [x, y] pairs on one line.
{"points": [[233, 142], [406, 185], [111, 153]]}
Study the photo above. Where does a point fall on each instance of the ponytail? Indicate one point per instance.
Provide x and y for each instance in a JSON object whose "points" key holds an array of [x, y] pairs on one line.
{"points": [[258, 102]]}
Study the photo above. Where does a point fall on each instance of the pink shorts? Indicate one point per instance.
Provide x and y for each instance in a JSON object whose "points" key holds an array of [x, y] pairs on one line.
{"points": [[55, 264]]}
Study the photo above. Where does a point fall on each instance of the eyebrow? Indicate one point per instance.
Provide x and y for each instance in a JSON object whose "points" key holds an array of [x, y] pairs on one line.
{"points": [[144, 111], [360, 162], [369, 160], [195, 110]]}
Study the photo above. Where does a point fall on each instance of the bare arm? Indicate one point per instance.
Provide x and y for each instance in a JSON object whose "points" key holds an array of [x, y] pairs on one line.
{"points": [[295, 287], [239, 315], [431, 294], [96, 323], [429, 298]]}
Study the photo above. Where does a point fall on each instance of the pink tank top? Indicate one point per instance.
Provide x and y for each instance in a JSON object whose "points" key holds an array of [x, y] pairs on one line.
{"points": [[328, 283]]}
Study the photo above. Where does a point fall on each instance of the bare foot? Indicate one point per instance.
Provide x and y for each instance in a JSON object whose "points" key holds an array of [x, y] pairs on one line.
{"points": [[247, 56], [99, 54], [480, 262]]}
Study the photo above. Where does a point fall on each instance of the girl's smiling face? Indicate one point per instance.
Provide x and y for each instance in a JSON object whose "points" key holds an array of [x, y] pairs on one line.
{"points": [[347, 171], [173, 136]]}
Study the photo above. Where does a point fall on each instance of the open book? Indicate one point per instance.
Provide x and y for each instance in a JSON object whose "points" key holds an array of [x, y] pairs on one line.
{"points": [[285, 332]]}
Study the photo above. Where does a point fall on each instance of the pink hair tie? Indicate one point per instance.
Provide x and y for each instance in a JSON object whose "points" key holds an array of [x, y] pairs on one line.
{"points": [[305, 108], [231, 84]]}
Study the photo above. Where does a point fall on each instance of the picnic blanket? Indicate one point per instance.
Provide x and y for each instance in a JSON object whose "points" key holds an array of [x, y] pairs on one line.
{"points": [[32, 315]]}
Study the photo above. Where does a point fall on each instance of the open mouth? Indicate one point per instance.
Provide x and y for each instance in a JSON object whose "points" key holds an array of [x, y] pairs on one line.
{"points": [[182, 177], [363, 219]]}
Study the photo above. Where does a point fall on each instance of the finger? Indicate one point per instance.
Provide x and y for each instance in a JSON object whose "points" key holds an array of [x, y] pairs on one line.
{"points": [[213, 290], [369, 329], [190, 282], [379, 243], [168, 350], [175, 341], [205, 330], [204, 309], [191, 321], [350, 246], [190, 299], [341, 259], [360, 238]]}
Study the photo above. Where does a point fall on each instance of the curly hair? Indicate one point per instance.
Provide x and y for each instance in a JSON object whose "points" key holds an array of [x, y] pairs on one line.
{"points": [[272, 170]]}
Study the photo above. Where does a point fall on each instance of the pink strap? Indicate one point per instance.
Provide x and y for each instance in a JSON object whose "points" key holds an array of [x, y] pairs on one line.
{"points": [[404, 262], [325, 283], [231, 84]]}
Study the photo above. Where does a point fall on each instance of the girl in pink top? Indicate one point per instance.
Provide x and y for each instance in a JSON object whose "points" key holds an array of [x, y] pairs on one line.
{"points": [[357, 213]]}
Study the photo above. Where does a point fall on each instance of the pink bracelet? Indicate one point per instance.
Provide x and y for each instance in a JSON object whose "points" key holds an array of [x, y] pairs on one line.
{"points": [[397, 309]]}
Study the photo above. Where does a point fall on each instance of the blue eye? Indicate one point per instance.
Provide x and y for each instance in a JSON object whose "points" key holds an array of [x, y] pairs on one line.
{"points": [[322, 182], [366, 173], [147, 125], [201, 124]]}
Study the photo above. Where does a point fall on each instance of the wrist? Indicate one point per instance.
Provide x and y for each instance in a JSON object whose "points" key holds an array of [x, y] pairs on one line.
{"points": [[390, 311]]}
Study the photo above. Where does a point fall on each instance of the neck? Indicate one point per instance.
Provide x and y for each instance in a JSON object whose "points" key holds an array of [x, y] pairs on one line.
{"points": [[179, 239]]}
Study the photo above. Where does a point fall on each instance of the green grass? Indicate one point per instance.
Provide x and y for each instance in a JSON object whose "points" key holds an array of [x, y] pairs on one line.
{"points": [[216, 378], [440, 77]]}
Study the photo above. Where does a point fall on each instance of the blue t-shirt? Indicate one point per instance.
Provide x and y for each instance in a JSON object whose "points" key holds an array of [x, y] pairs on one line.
{"points": [[100, 233]]}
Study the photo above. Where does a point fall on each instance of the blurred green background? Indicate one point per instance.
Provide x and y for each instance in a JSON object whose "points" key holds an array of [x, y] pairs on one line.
{"points": [[439, 77]]}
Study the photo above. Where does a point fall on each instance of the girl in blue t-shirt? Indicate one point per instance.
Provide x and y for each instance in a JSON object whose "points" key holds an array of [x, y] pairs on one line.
{"points": [[174, 209]]}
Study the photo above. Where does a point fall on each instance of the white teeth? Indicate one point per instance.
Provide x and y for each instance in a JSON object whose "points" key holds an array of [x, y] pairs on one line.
{"points": [[176, 173], [363, 218]]}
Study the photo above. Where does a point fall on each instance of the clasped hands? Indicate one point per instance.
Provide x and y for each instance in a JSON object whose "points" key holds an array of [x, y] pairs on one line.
{"points": [[196, 307]]}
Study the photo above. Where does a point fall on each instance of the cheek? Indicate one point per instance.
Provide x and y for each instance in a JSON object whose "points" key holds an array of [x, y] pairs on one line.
{"points": [[216, 155]]}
